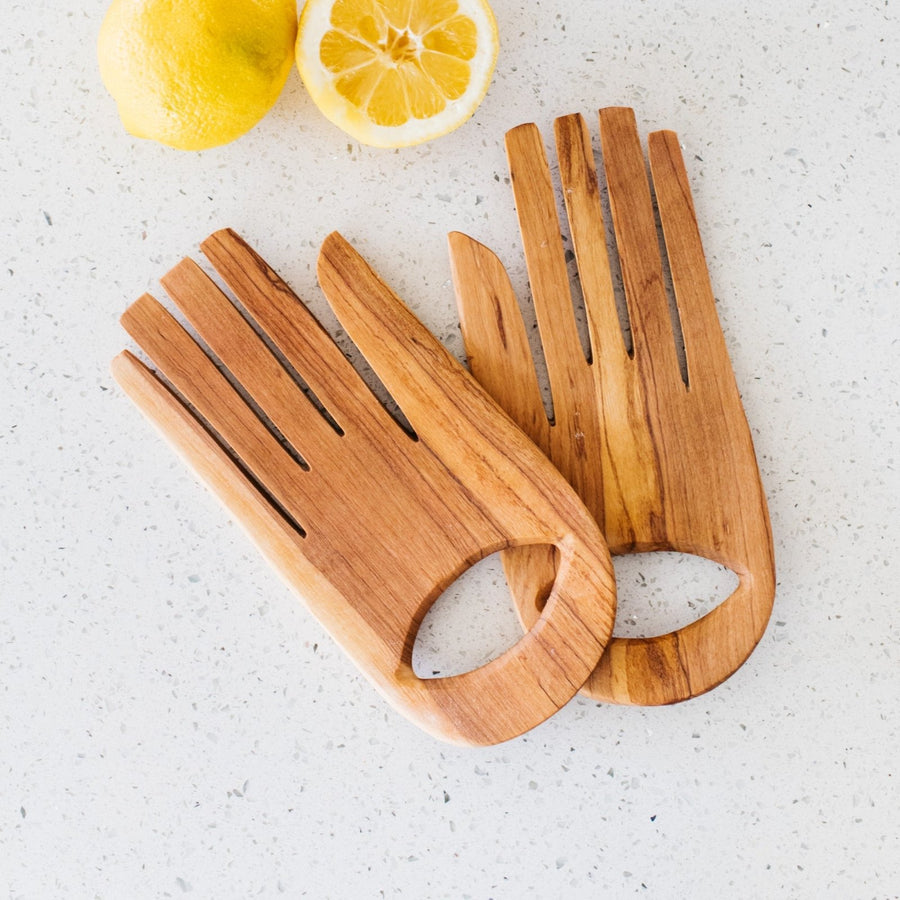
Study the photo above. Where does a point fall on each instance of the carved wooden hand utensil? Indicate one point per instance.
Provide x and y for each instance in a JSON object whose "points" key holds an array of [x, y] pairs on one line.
{"points": [[369, 523], [662, 464]]}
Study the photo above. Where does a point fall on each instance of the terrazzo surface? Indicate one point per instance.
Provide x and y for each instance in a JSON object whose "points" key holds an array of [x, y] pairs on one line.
{"points": [[174, 723]]}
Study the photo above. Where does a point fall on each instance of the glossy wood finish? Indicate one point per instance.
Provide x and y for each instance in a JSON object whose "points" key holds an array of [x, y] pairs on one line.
{"points": [[367, 522], [662, 464]]}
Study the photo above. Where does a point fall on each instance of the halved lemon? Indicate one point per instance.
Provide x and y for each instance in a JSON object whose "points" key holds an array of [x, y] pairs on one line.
{"points": [[393, 73]]}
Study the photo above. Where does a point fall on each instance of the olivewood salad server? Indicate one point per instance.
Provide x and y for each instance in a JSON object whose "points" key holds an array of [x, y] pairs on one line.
{"points": [[368, 522], [662, 463]]}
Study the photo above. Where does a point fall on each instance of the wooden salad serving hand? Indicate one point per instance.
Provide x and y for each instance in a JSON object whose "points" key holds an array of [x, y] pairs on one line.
{"points": [[369, 523], [662, 464]]}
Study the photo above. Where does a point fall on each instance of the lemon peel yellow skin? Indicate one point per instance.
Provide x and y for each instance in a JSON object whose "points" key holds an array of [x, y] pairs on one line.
{"points": [[394, 73], [196, 74]]}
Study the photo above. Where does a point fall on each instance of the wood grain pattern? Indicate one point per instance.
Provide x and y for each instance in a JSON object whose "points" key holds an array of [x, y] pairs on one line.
{"points": [[367, 522], [662, 464]]}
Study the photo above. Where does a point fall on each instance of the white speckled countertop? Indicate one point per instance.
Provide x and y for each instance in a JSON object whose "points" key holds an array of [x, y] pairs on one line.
{"points": [[173, 722]]}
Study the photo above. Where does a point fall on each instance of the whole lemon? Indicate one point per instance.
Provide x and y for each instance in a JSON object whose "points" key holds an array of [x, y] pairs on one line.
{"points": [[194, 74]]}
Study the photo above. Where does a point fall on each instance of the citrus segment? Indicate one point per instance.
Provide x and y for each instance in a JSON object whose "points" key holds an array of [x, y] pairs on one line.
{"points": [[393, 73]]}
